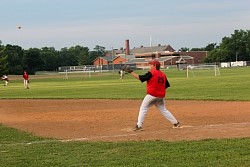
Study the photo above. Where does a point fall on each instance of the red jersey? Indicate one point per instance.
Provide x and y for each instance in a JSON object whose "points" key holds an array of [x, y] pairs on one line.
{"points": [[25, 76], [156, 86]]}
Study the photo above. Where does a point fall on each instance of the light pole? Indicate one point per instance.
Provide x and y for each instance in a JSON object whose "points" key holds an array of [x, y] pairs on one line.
{"points": [[112, 59], [171, 60], [236, 56]]}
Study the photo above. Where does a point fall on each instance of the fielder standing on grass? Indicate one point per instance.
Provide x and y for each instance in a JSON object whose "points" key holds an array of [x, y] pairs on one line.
{"points": [[5, 79], [157, 84], [25, 80], [121, 72]]}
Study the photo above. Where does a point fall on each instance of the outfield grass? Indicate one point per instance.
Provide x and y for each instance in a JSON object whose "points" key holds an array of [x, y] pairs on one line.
{"points": [[233, 84], [23, 149]]}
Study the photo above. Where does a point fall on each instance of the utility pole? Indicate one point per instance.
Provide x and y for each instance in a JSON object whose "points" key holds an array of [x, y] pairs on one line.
{"points": [[113, 60]]}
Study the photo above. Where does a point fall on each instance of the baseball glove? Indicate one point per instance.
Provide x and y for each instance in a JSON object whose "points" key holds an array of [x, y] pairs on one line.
{"points": [[127, 69]]}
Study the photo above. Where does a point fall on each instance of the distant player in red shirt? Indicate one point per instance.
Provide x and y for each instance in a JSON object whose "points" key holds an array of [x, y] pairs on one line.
{"points": [[26, 80], [157, 84]]}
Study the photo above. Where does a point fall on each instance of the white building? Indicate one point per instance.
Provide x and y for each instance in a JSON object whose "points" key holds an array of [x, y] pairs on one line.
{"points": [[238, 64]]}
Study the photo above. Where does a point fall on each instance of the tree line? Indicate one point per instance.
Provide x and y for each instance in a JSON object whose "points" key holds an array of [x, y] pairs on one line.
{"points": [[233, 48], [14, 59]]}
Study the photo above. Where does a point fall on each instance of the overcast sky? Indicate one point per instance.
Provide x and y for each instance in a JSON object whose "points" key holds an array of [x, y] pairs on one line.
{"points": [[108, 23]]}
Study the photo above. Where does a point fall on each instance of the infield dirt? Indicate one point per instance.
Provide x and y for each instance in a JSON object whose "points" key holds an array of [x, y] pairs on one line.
{"points": [[113, 120]]}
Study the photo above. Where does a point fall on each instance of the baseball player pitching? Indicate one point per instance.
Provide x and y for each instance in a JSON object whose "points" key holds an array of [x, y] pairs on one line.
{"points": [[157, 84]]}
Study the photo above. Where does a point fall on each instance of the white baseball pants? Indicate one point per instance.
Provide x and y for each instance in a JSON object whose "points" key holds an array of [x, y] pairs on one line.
{"points": [[147, 102], [25, 83]]}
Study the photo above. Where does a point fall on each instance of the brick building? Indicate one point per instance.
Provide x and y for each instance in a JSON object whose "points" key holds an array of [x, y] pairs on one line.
{"points": [[140, 56]]}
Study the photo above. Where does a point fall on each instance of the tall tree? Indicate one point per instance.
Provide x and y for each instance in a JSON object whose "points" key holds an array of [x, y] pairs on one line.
{"points": [[81, 53], [32, 60], [67, 58], [92, 56], [217, 55], [238, 45], [50, 58], [210, 47], [3, 61], [100, 50], [15, 56], [233, 48]]}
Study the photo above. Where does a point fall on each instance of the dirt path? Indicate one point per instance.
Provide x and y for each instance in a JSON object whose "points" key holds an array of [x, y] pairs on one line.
{"points": [[113, 120]]}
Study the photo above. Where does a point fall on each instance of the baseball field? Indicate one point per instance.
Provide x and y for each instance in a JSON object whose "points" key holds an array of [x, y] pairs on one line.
{"points": [[87, 120]]}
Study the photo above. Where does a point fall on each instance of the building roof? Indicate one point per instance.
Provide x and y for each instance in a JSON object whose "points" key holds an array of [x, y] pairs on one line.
{"points": [[161, 59], [107, 58], [187, 57], [150, 49], [127, 57], [136, 60]]}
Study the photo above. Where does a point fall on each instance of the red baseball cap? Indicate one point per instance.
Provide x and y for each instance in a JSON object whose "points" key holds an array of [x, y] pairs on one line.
{"points": [[155, 62]]}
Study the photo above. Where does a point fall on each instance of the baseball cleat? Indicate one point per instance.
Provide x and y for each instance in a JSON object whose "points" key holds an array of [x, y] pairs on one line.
{"points": [[177, 125], [137, 128]]}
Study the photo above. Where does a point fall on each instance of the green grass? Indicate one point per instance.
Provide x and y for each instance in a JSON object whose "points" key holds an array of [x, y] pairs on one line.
{"points": [[15, 151], [233, 84], [23, 149]]}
